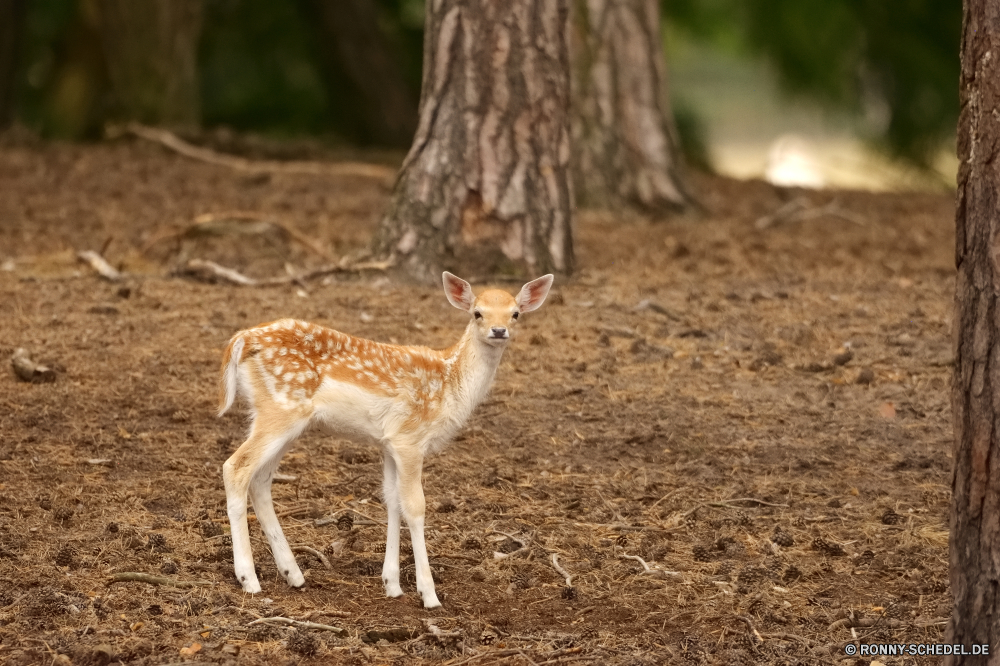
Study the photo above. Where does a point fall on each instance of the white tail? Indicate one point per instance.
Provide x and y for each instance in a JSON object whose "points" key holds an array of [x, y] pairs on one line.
{"points": [[409, 400], [230, 368]]}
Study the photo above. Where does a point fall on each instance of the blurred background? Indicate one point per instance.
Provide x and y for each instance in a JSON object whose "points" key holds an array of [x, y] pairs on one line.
{"points": [[850, 93]]}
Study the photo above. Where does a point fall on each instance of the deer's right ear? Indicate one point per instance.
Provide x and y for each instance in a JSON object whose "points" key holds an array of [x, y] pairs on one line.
{"points": [[458, 291]]}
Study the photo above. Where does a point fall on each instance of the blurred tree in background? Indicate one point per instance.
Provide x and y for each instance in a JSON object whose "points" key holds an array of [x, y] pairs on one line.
{"points": [[288, 68], [363, 63], [151, 53], [258, 70], [895, 63], [11, 16], [624, 141]]}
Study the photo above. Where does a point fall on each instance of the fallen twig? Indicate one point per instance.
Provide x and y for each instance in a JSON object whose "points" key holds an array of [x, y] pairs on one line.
{"points": [[332, 518], [725, 503], [205, 270], [527, 658], [562, 572], [210, 271], [138, 577], [292, 510], [238, 222], [178, 145], [798, 210], [333, 613], [100, 266], [756, 637], [302, 624], [648, 570], [315, 553], [29, 371], [523, 543], [2, 608]]}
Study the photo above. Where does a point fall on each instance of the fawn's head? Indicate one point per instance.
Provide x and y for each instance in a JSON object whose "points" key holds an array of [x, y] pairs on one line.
{"points": [[495, 312]]}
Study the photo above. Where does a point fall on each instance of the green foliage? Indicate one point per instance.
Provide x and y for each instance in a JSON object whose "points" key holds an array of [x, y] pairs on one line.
{"points": [[893, 61], [692, 135], [257, 69]]}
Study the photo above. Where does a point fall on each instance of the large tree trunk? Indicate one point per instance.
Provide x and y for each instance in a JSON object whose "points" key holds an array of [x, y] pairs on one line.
{"points": [[624, 143], [11, 26], [975, 504], [362, 68], [485, 188], [151, 47]]}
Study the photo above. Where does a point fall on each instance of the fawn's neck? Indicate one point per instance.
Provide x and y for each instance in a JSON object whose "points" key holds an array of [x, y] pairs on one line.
{"points": [[473, 366]]}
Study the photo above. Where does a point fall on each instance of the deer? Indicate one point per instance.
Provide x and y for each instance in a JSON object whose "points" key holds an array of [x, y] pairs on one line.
{"points": [[410, 401]]}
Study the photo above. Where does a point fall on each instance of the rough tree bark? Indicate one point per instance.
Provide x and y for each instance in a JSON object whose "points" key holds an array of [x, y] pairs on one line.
{"points": [[624, 141], [975, 505], [151, 48], [11, 25], [362, 66], [485, 188]]}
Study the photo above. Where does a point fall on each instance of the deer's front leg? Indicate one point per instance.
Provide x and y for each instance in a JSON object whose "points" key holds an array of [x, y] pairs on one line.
{"points": [[390, 494], [411, 495]]}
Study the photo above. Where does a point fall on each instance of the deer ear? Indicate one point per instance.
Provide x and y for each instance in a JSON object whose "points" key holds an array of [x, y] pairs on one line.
{"points": [[533, 294], [458, 291]]}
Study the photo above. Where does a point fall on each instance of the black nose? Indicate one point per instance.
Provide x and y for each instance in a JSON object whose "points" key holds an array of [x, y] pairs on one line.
{"points": [[499, 331]]}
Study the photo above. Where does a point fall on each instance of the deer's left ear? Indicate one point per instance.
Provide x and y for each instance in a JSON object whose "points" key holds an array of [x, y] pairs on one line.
{"points": [[458, 291], [533, 294]]}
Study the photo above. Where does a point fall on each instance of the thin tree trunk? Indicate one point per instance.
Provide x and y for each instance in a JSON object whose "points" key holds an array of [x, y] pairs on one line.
{"points": [[151, 47], [624, 145], [11, 27], [363, 69], [975, 506], [485, 188]]}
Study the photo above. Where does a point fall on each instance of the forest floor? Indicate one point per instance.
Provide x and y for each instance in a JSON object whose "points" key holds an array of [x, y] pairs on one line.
{"points": [[753, 399]]}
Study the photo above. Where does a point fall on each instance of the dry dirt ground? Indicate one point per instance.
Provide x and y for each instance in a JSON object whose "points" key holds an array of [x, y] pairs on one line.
{"points": [[756, 406]]}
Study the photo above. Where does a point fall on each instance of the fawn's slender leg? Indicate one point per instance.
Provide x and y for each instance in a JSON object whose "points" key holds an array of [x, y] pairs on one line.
{"points": [[260, 495], [390, 493], [411, 494], [239, 474], [236, 473]]}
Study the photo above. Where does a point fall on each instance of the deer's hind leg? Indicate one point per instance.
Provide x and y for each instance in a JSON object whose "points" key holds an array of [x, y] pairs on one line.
{"points": [[250, 470]]}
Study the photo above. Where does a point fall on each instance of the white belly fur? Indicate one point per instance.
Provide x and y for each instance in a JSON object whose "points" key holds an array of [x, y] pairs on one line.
{"points": [[347, 410]]}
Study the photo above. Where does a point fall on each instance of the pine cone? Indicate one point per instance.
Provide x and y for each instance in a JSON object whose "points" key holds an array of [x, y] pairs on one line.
{"points": [[158, 542], [302, 643], [701, 553], [65, 556], [828, 547], [890, 517], [345, 523], [782, 538], [210, 528], [792, 574]]}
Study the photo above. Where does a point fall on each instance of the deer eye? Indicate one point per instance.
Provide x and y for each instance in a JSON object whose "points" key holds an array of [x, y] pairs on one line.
{"points": [[478, 314], [514, 316]]}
